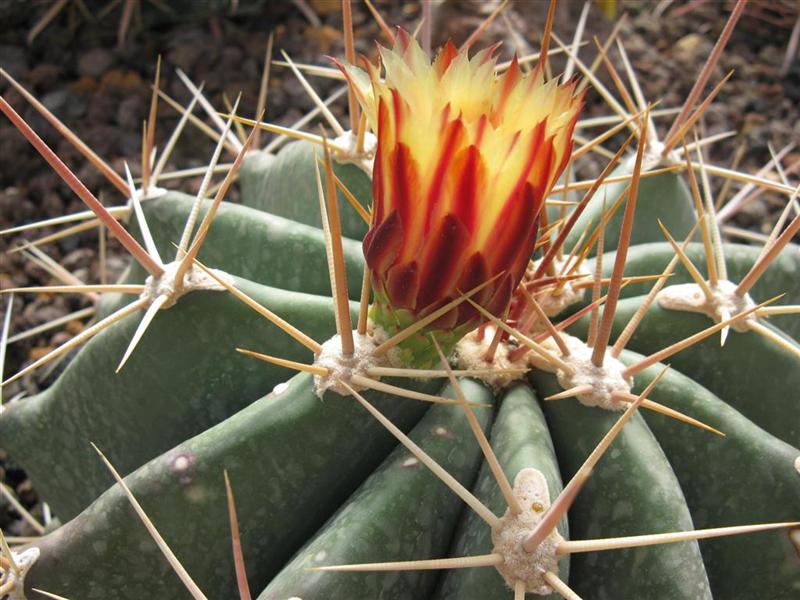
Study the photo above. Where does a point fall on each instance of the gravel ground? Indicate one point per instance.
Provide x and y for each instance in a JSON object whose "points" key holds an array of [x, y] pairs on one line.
{"points": [[100, 89]]}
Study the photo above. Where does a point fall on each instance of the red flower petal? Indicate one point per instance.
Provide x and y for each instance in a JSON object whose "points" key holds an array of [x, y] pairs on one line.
{"points": [[382, 244], [469, 171], [542, 176], [453, 138], [442, 261], [402, 284], [502, 294], [512, 228], [474, 273], [510, 79], [444, 58]]}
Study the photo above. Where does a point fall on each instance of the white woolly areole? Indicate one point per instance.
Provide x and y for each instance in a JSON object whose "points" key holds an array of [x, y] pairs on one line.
{"points": [[530, 489], [538, 361], [652, 158], [347, 150], [194, 279], [152, 193], [342, 368], [24, 560], [471, 354], [554, 301], [605, 380], [724, 303]]}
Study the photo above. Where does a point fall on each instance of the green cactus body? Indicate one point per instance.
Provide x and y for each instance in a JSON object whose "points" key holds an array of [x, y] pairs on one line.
{"points": [[187, 408], [256, 245], [279, 184], [649, 500], [378, 522], [294, 459], [782, 277], [742, 372], [663, 197], [286, 453], [186, 378], [760, 469], [290, 435], [521, 439]]}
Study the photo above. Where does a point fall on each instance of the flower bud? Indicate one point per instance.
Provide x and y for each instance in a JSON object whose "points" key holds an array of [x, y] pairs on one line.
{"points": [[464, 161]]}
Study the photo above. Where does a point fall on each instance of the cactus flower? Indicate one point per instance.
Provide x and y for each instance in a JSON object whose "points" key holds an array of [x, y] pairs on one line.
{"points": [[464, 161]]}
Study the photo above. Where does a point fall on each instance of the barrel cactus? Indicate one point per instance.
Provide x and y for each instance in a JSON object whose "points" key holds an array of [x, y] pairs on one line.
{"points": [[362, 476]]}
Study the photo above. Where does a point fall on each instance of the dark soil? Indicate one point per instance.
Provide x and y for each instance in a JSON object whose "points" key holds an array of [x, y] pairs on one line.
{"points": [[101, 90]]}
